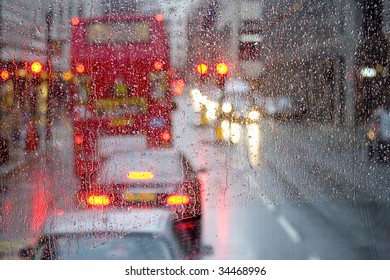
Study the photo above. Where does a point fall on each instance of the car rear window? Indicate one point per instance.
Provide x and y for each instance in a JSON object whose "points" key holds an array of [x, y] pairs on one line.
{"points": [[113, 246], [139, 167]]}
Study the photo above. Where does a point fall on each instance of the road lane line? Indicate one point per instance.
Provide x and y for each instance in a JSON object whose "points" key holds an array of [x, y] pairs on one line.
{"points": [[266, 200], [290, 230], [270, 207]]}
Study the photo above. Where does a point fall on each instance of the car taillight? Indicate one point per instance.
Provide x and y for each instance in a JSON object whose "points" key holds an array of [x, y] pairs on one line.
{"points": [[178, 199], [78, 139], [98, 200]]}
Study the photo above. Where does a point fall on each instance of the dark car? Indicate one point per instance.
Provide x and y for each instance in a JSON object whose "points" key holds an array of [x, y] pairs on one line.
{"points": [[148, 179], [107, 235], [378, 135], [289, 108]]}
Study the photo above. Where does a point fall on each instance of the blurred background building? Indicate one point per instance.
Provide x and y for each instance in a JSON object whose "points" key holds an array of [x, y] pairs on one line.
{"points": [[319, 52], [316, 50]]}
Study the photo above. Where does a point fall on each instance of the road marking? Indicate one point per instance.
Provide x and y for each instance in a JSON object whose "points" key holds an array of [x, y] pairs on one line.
{"points": [[290, 230], [266, 200], [270, 207]]}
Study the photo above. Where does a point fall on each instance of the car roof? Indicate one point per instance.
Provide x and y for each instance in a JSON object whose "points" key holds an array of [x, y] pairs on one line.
{"points": [[105, 220], [165, 165], [237, 86]]}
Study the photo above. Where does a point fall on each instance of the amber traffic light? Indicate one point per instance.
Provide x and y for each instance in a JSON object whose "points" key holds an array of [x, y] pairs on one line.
{"points": [[201, 68], [222, 71], [221, 68]]}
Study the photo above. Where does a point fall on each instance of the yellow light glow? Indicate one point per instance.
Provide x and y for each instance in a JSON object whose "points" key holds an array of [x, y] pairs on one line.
{"points": [[67, 76], [371, 135], [201, 69], [36, 67], [178, 199], [98, 200], [221, 68], [22, 73], [135, 175], [4, 75]]}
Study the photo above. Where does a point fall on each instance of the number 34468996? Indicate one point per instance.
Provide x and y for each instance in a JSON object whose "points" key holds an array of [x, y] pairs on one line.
{"points": [[241, 270]]}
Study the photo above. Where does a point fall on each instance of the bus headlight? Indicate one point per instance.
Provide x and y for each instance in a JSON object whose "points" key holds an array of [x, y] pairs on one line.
{"points": [[204, 100], [227, 107], [212, 106], [253, 116]]}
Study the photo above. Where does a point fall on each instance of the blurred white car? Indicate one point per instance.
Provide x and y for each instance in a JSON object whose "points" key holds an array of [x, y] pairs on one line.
{"points": [[107, 235]]}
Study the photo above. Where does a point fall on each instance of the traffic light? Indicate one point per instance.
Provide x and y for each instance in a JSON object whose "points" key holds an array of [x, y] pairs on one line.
{"points": [[222, 71], [201, 68]]}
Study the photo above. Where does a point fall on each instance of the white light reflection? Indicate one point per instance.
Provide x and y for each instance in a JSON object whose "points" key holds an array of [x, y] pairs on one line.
{"points": [[225, 126], [235, 133], [253, 142], [196, 99]]}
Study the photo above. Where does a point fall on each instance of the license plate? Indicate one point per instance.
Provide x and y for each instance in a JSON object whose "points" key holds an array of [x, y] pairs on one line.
{"points": [[140, 197], [121, 122]]}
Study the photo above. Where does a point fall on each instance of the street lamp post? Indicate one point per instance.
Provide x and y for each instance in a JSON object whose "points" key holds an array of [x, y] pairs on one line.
{"points": [[49, 20]]}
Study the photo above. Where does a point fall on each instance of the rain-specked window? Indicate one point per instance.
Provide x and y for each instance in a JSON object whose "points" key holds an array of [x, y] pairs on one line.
{"points": [[203, 129]]}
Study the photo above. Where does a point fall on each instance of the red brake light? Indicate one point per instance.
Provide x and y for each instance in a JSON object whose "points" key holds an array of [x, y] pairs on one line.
{"points": [[78, 139], [178, 199], [178, 86], [98, 200], [4, 75], [166, 136]]}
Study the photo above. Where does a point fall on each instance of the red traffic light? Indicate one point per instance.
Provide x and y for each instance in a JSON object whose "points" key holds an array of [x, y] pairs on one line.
{"points": [[201, 68], [36, 67], [221, 68]]}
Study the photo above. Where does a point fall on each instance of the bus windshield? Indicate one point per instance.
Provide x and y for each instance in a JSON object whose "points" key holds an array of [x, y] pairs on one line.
{"points": [[128, 32]]}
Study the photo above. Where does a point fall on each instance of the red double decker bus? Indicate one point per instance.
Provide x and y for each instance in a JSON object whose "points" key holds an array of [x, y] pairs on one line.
{"points": [[120, 86]]}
